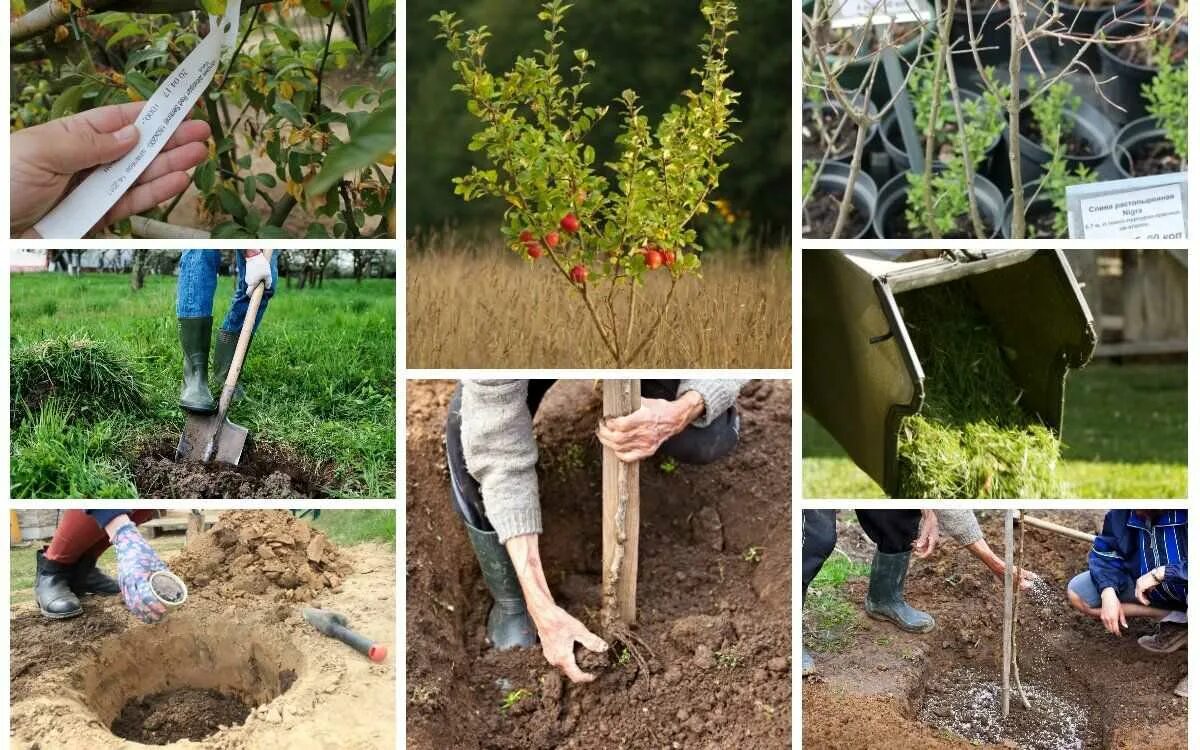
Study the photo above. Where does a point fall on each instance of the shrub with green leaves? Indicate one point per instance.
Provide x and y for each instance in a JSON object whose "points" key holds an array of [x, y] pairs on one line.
{"points": [[604, 229], [972, 438], [1049, 112], [1167, 99]]}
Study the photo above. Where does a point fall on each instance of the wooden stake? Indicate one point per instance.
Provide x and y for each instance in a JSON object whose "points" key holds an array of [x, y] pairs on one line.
{"points": [[1028, 520], [1008, 610], [622, 504]]}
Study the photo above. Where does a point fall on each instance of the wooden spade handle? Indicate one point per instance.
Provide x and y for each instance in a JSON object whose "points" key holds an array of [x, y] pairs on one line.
{"points": [[239, 354]]}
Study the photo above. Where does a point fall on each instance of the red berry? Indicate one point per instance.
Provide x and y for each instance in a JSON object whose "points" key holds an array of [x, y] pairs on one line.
{"points": [[526, 236], [654, 259], [552, 240], [570, 224], [534, 250], [579, 274], [669, 257]]}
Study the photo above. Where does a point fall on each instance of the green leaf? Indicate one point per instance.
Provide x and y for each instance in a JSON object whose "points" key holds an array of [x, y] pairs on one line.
{"points": [[367, 144], [205, 175], [288, 111], [269, 232], [248, 189], [231, 203], [126, 31], [316, 231], [214, 7], [144, 55], [140, 83], [67, 102], [287, 37]]}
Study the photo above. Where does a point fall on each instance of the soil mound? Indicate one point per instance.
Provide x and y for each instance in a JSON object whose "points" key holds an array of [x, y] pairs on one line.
{"points": [[172, 715], [266, 471], [261, 553]]}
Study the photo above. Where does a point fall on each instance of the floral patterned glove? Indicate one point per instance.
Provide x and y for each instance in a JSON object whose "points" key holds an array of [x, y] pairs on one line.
{"points": [[136, 562]]}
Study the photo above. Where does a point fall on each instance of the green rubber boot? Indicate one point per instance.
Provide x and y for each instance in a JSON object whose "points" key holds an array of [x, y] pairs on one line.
{"points": [[885, 594], [195, 335], [223, 359], [508, 623]]}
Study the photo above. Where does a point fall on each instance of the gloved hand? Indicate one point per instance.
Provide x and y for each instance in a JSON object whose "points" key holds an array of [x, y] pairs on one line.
{"points": [[258, 268], [136, 562]]}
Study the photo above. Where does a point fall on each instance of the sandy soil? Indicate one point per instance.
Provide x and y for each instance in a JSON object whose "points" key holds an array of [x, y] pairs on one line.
{"points": [[1088, 689], [718, 623], [70, 679]]}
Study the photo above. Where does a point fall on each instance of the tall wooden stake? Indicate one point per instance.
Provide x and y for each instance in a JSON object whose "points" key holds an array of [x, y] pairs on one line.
{"points": [[622, 504], [1008, 610]]}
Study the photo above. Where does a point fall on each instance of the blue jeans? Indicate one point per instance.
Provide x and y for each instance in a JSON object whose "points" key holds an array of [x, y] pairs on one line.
{"points": [[1085, 588], [198, 285]]}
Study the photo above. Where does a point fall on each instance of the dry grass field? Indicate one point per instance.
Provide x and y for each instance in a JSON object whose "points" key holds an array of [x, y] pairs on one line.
{"points": [[485, 308]]}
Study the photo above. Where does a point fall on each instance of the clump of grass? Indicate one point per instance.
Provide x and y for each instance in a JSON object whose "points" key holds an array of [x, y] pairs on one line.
{"points": [[89, 379], [830, 619], [972, 438], [54, 457]]}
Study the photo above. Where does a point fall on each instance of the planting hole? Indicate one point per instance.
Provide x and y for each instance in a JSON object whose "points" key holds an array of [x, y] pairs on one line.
{"points": [[186, 678], [265, 471]]}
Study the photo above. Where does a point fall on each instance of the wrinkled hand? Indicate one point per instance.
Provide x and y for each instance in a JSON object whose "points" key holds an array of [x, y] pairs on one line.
{"points": [[136, 562], [638, 436], [559, 632], [258, 269], [1112, 614], [50, 159], [927, 535], [1144, 585]]}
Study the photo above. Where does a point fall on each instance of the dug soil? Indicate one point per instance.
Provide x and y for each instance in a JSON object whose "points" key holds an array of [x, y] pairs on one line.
{"points": [[1087, 689], [896, 227], [713, 593], [821, 212], [225, 673], [266, 471], [1039, 220], [1154, 157]]}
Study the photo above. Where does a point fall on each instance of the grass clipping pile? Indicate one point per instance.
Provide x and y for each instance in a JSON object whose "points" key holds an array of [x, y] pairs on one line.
{"points": [[258, 552], [972, 438]]}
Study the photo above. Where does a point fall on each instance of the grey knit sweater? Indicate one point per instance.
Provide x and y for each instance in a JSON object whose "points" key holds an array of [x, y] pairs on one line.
{"points": [[501, 453], [959, 525]]}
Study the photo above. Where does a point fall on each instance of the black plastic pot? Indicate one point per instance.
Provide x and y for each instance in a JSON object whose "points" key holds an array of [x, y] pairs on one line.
{"points": [[833, 178], [893, 197], [831, 106], [856, 69], [1032, 207], [1087, 123], [990, 24], [1137, 133], [1126, 89], [893, 143]]}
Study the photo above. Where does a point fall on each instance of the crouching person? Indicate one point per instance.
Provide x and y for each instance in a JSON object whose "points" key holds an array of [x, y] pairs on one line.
{"points": [[1138, 568]]}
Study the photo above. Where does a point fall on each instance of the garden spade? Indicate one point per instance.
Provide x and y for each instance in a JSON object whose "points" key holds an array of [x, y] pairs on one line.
{"points": [[212, 436]]}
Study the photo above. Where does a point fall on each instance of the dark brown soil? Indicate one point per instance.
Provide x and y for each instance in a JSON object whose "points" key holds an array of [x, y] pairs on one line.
{"points": [[1073, 144], [266, 471], [896, 227], [1091, 690], [39, 645], [1039, 221], [1154, 157], [173, 715], [821, 212], [713, 596], [819, 124], [1141, 53]]}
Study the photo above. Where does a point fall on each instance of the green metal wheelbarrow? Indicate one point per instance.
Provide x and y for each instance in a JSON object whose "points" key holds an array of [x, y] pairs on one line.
{"points": [[861, 373]]}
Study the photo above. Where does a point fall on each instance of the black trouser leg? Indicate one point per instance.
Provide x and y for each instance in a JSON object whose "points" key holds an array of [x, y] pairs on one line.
{"points": [[893, 531], [696, 445], [818, 530]]}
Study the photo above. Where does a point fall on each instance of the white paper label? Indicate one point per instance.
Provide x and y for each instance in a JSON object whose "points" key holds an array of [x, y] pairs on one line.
{"points": [[1154, 213], [165, 111], [877, 12]]}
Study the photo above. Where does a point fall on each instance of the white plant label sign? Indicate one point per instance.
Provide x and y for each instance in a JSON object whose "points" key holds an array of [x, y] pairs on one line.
{"points": [[164, 112], [1141, 208], [877, 12]]}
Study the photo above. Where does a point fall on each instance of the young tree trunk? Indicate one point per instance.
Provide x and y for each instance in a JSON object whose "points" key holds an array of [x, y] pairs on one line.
{"points": [[138, 279], [622, 503], [1008, 612]]}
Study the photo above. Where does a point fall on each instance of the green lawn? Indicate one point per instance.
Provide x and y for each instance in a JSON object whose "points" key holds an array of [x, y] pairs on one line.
{"points": [[319, 379], [830, 618], [1125, 436]]}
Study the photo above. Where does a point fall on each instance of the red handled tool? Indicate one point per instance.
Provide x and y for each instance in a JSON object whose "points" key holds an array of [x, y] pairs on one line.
{"points": [[335, 625]]}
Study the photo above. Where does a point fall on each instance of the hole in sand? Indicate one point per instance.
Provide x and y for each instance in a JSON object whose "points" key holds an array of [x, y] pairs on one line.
{"points": [[967, 703], [265, 471], [185, 678]]}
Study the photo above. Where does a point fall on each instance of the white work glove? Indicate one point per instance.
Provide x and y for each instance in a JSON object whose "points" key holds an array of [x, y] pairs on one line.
{"points": [[258, 268]]}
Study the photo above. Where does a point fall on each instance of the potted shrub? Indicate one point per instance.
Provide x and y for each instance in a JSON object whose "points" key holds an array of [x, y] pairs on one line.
{"points": [[1157, 144], [1058, 120], [825, 128], [824, 188], [1135, 64], [900, 211]]}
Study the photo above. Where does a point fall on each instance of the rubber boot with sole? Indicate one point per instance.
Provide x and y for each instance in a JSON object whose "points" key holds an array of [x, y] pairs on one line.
{"points": [[508, 623], [195, 336], [223, 359], [52, 589], [86, 579], [885, 594]]}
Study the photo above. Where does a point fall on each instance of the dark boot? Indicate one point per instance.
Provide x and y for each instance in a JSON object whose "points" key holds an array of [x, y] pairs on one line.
{"points": [[885, 594], [195, 335], [223, 359], [86, 579], [508, 623], [52, 589]]}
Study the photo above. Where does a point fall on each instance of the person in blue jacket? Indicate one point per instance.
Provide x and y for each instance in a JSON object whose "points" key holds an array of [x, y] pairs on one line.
{"points": [[1137, 567]]}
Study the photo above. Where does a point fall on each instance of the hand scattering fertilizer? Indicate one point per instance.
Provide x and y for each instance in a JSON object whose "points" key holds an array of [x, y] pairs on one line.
{"points": [[943, 373]]}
